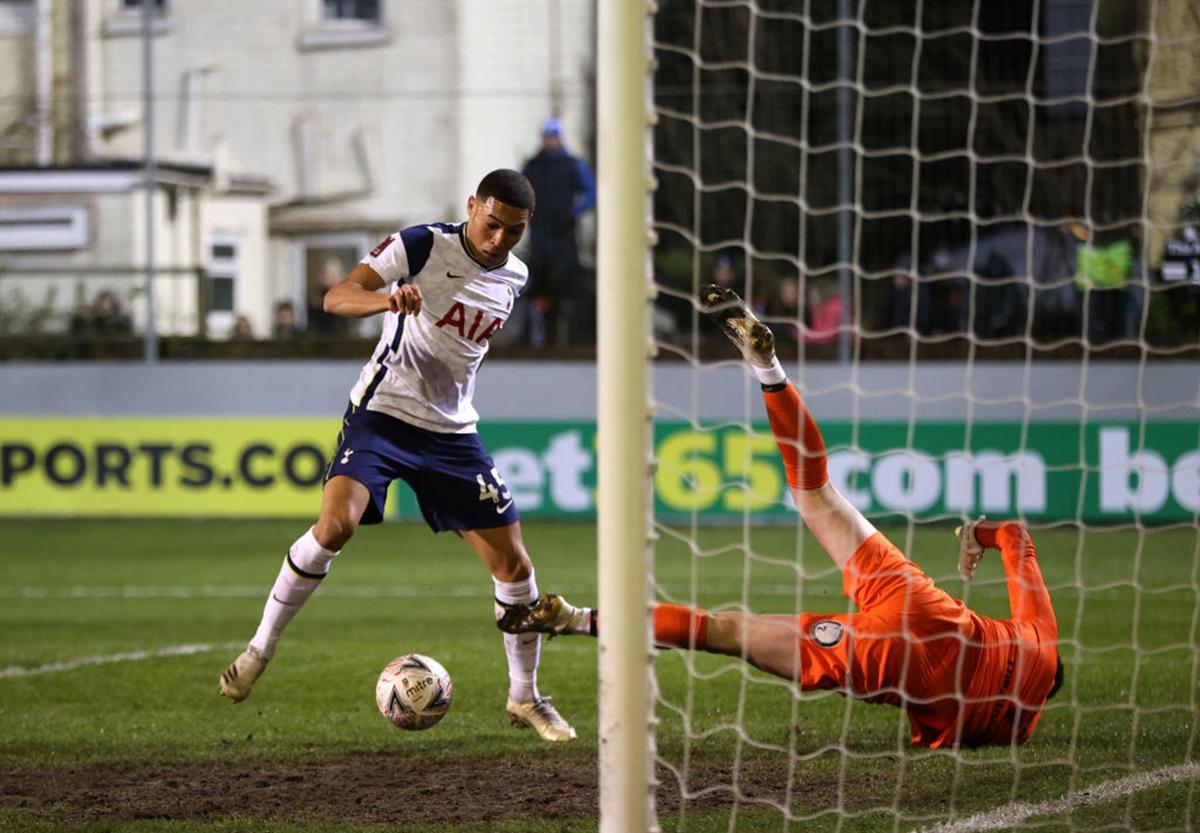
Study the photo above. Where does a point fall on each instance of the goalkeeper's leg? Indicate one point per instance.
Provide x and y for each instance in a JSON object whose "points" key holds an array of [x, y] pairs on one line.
{"points": [[834, 520], [769, 642]]}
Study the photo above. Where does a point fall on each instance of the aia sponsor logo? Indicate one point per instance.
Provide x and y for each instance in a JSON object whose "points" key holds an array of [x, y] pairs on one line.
{"points": [[476, 331]]}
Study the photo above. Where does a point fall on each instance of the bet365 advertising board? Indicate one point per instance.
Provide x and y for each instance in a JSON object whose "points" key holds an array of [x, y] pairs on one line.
{"points": [[274, 468]]}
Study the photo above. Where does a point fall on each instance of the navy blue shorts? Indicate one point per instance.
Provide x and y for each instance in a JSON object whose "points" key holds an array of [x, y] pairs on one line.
{"points": [[455, 480]]}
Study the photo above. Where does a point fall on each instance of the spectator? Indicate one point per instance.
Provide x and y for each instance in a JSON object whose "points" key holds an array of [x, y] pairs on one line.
{"points": [[242, 330], [1103, 272], [285, 328], [104, 317], [81, 318], [941, 293], [900, 295], [824, 315], [319, 321], [783, 311], [1000, 298], [725, 276], [1056, 298], [565, 190]]}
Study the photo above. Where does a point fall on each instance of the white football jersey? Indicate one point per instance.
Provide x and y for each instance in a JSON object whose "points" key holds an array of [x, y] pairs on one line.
{"points": [[423, 369]]}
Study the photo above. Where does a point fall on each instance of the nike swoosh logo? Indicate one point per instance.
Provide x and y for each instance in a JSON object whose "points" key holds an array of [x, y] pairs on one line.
{"points": [[501, 509], [452, 275]]}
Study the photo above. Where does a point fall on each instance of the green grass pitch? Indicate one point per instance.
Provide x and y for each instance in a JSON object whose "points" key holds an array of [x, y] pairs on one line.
{"points": [[74, 592]]}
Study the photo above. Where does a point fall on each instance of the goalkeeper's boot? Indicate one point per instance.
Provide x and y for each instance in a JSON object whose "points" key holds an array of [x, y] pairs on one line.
{"points": [[748, 334], [550, 614], [542, 716], [237, 680]]}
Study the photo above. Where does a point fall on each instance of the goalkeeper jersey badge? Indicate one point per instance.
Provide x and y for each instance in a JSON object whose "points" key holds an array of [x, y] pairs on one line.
{"points": [[827, 633]]}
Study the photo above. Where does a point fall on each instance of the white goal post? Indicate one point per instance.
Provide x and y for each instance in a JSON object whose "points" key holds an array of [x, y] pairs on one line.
{"points": [[624, 343]]}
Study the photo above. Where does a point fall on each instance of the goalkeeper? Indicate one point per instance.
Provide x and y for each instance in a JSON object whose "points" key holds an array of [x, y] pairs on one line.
{"points": [[962, 678]]}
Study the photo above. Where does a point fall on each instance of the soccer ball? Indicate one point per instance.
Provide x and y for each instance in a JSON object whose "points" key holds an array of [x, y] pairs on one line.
{"points": [[414, 692]]}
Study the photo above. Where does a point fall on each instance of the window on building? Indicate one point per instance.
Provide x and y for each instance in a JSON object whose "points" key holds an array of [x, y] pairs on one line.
{"points": [[361, 10], [324, 267], [222, 278], [344, 24], [321, 262], [125, 18]]}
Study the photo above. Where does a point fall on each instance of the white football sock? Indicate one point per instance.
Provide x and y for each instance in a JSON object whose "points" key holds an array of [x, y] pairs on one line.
{"points": [[306, 564], [583, 621], [524, 650], [772, 375]]}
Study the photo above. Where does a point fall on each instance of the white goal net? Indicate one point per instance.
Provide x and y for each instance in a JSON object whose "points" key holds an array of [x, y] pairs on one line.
{"points": [[967, 224]]}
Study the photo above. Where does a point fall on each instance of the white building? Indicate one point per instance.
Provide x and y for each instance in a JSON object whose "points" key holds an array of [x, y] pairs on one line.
{"points": [[288, 135]]}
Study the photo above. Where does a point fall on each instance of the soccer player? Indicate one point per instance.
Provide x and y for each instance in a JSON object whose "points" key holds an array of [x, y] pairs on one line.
{"points": [[448, 289], [962, 678]]}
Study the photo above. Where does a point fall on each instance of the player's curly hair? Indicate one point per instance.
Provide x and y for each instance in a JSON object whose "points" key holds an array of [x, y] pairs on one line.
{"points": [[509, 187]]}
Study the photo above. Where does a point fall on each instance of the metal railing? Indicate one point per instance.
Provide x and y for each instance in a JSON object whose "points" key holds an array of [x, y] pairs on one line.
{"points": [[100, 301]]}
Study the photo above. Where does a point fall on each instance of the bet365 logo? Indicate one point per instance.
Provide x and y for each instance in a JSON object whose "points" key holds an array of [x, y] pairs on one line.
{"points": [[496, 491]]}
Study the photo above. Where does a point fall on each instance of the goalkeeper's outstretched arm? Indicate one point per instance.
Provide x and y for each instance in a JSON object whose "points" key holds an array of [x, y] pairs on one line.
{"points": [[1028, 598]]}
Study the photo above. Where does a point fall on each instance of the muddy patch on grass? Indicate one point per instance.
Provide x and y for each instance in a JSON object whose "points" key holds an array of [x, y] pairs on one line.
{"points": [[361, 789]]}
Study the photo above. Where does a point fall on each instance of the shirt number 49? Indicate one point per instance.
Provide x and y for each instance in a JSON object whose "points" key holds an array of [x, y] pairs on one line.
{"points": [[496, 491]]}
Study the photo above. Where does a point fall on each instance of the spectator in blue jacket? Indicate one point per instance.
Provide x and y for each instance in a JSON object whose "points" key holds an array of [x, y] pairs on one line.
{"points": [[565, 189]]}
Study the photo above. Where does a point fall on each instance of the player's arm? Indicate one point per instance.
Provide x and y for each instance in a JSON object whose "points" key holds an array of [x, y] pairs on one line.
{"points": [[358, 295], [1028, 597]]}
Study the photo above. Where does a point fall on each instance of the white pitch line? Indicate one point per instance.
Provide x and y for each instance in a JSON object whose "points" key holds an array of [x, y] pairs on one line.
{"points": [[233, 591], [482, 590], [128, 656], [1014, 814]]}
